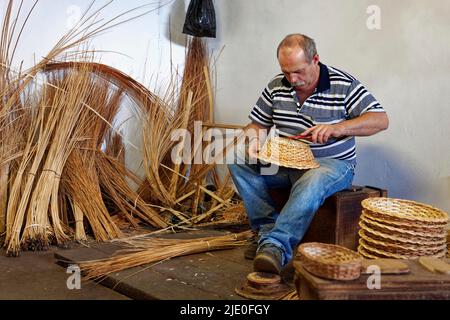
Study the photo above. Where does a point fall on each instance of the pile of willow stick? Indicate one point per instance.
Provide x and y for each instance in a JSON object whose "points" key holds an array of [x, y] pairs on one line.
{"points": [[62, 162], [152, 250]]}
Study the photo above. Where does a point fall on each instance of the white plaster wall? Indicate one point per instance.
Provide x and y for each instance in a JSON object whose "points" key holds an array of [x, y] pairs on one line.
{"points": [[406, 65]]}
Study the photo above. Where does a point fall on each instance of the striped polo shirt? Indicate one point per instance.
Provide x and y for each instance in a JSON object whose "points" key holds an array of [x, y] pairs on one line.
{"points": [[338, 97]]}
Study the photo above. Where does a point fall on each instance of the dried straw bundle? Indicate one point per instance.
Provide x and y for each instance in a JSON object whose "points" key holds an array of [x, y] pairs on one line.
{"points": [[111, 173], [68, 105], [54, 173], [155, 250], [82, 186], [39, 129], [180, 186], [11, 133], [112, 176], [158, 125]]}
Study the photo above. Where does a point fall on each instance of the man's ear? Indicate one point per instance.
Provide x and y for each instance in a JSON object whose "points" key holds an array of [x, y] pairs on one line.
{"points": [[316, 59]]}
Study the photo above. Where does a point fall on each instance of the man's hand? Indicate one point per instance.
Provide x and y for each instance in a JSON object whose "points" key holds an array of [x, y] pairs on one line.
{"points": [[322, 133], [253, 148], [257, 135], [366, 124]]}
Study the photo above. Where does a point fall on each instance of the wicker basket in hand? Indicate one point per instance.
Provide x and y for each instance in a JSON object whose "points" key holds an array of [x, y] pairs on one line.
{"points": [[329, 261], [288, 153]]}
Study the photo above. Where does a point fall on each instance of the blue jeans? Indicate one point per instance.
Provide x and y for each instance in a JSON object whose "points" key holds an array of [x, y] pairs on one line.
{"points": [[309, 189]]}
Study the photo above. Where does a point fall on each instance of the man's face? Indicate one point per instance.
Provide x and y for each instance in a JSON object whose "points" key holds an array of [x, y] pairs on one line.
{"points": [[296, 69]]}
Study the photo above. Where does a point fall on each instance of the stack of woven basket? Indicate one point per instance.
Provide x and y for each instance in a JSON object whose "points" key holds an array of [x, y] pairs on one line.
{"points": [[402, 229]]}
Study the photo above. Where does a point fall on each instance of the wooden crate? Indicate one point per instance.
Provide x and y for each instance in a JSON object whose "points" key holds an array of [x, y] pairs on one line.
{"points": [[337, 219]]}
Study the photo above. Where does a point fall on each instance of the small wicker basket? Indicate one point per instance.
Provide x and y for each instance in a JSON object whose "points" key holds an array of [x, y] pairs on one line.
{"points": [[288, 153], [329, 261]]}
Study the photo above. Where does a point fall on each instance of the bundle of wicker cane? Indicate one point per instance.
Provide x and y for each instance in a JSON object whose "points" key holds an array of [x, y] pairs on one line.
{"points": [[402, 229]]}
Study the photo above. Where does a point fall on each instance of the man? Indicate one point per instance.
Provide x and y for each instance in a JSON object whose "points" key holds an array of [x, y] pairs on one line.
{"points": [[323, 104]]}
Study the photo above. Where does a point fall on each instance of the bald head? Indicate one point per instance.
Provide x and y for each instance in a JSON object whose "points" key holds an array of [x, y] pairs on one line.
{"points": [[295, 41]]}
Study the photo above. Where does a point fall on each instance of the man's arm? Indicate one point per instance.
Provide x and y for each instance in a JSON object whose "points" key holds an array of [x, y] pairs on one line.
{"points": [[366, 124]]}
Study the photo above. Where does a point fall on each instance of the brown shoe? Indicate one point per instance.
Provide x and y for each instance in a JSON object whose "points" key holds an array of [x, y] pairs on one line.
{"points": [[268, 259]]}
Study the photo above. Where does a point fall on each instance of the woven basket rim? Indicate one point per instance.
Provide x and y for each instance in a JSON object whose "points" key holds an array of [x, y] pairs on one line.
{"points": [[400, 251], [413, 240], [394, 255], [393, 246], [380, 224], [334, 248], [438, 216], [404, 223], [365, 254]]}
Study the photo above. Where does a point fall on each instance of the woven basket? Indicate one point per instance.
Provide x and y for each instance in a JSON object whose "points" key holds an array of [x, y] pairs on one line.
{"points": [[406, 248], [402, 229], [437, 228], [425, 233], [330, 261], [398, 238], [288, 153], [406, 211], [366, 250]]}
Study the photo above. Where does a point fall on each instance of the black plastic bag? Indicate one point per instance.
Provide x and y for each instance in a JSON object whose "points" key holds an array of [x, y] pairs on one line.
{"points": [[200, 19]]}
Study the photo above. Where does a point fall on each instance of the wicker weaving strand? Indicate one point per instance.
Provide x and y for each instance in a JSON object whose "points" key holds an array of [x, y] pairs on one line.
{"points": [[288, 153], [329, 261], [410, 211]]}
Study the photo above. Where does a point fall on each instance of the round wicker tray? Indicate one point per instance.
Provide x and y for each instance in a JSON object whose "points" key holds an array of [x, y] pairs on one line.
{"points": [[288, 153], [432, 234], [399, 238], [406, 210], [389, 246], [330, 261], [405, 224], [366, 250]]}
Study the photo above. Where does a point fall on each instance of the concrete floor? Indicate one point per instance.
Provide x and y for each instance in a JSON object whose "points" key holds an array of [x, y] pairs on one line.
{"points": [[36, 276]]}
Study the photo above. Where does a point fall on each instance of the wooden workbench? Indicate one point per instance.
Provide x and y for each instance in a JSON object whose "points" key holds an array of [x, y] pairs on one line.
{"points": [[419, 284]]}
